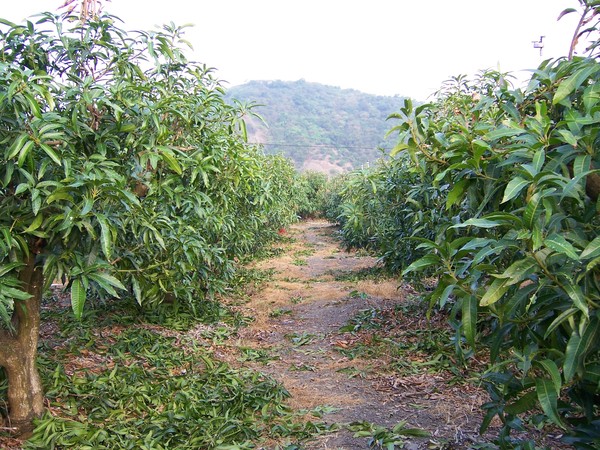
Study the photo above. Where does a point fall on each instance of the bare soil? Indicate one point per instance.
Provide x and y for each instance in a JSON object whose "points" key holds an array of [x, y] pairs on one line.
{"points": [[298, 316]]}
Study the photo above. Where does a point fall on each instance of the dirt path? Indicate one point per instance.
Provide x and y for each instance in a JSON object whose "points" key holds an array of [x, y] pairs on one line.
{"points": [[296, 338]]}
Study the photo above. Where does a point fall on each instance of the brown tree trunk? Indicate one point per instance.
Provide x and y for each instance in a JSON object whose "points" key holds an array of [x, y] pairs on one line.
{"points": [[18, 350]]}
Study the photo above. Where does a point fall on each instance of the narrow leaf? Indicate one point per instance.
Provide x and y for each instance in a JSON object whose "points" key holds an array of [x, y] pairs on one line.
{"points": [[552, 370], [37, 222], [494, 292], [519, 270], [499, 133], [456, 193], [531, 210], [548, 399], [469, 318], [572, 356], [422, 263], [564, 316], [105, 236], [480, 223], [576, 294], [572, 83], [170, 159], [560, 245], [581, 164], [513, 188], [592, 250], [78, 295], [51, 153], [137, 291]]}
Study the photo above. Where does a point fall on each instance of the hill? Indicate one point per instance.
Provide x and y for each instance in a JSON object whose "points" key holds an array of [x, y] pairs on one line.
{"points": [[319, 127]]}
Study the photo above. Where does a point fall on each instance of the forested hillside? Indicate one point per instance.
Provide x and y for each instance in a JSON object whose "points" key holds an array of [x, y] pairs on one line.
{"points": [[319, 127]]}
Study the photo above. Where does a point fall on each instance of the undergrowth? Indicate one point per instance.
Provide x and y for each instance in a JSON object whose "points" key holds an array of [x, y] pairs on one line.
{"points": [[121, 379], [405, 337]]}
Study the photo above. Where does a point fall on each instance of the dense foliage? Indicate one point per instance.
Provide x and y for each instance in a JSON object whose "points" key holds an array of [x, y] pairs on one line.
{"points": [[494, 191], [310, 187], [123, 172], [339, 128], [379, 207]]}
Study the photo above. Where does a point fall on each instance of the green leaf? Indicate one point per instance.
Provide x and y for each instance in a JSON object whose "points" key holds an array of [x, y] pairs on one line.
{"points": [[37, 222], [531, 210], [480, 223], [443, 298], [582, 164], [398, 148], [570, 84], [552, 370], [560, 245], [78, 295], [593, 263], [137, 291], [60, 195], [422, 263], [17, 146], [170, 159], [503, 132], [568, 137], [519, 270], [15, 294], [548, 399], [24, 152], [573, 354], [105, 236], [564, 316], [592, 373], [576, 294], [578, 347], [513, 188], [5, 268], [469, 318], [456, 193], [494, 292], [592, 250], [107, 282], [538, 160], [565, 12], [523, 404], [51, 153]]}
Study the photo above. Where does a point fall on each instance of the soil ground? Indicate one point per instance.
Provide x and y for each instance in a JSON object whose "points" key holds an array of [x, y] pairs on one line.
{"points": [[298, 316]]}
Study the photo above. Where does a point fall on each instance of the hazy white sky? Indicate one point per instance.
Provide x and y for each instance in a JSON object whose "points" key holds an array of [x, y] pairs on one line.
{"points": [[386, 47]]}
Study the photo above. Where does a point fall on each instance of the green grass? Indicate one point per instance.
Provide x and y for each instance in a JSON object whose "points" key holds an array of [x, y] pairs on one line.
{"points": [[280, 312], [371, 273]]}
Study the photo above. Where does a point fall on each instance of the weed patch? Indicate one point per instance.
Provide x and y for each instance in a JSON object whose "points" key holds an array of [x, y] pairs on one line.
{"points": [[402, 335], [120, 380]]}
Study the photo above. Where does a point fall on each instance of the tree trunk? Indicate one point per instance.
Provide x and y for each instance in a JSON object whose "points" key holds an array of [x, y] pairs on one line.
{"points": [[18, 350]]}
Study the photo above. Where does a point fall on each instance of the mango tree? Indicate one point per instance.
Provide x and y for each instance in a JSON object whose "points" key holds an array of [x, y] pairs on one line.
{"points": [[122, 172], [512, 233], [518, 257]]}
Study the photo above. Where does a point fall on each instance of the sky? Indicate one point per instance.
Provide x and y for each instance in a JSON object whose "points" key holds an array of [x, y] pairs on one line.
{"points": [[383, 47]]}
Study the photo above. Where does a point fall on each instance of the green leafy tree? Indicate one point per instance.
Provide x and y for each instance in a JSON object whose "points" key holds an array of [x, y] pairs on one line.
{"points": [[516, 249], [122, 172]]}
